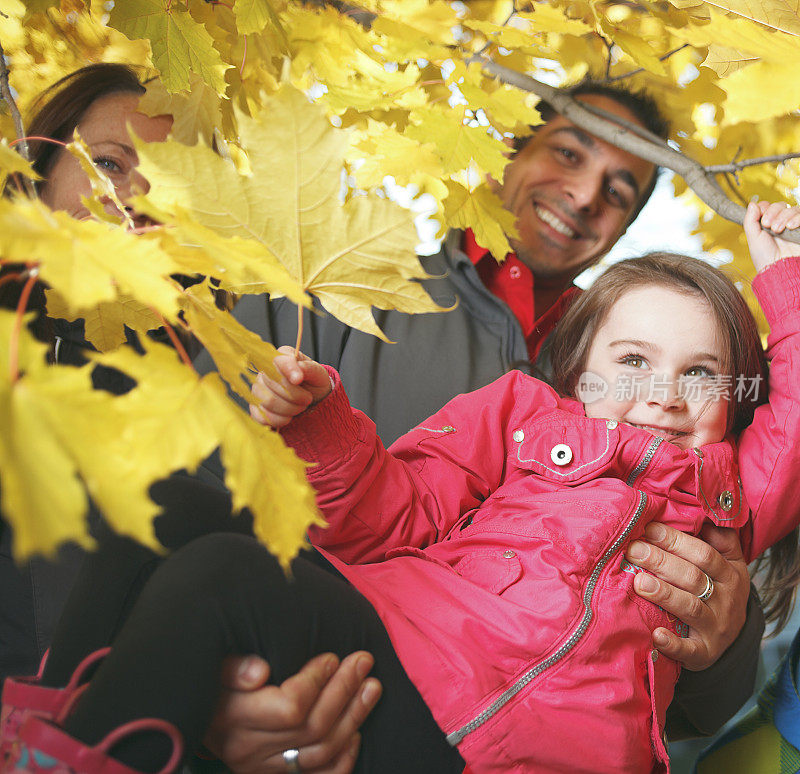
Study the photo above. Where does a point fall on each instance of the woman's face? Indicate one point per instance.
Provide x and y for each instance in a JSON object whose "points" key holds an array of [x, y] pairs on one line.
{"points": [[104, 128]]}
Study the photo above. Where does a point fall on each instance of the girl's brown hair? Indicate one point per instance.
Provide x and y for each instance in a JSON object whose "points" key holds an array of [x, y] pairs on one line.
{"points": [[743, 359]]}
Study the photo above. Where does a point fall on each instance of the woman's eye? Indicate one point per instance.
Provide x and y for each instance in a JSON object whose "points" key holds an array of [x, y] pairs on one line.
{"points": [[106, 164], [699, 372], [567, 153]]}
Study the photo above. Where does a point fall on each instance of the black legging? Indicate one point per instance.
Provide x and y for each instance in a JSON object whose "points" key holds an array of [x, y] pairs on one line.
{"points": [[174, 620]]}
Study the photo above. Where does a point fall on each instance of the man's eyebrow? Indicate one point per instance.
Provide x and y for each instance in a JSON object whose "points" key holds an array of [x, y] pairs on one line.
{"points": [[590, 143]]}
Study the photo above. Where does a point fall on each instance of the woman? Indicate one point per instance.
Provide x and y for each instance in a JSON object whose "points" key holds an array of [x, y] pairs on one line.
{"points": [[324, 704]]}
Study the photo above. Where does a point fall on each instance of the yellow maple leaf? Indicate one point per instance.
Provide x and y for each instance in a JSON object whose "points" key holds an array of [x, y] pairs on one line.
{"points": [[723, 31], [639, 49], [776, 14], [748, 100], [87, 262], [102, 187], [458, 144], [725, 61], [264, 476], [550, 18], [237, 352], [104, 324], [384, 151], [176, 419], [352, 256], [42, 498], [254, 15], [483, 212], [242, 266], [195, 113], [179, 44], [509, 109], [12, 163]]}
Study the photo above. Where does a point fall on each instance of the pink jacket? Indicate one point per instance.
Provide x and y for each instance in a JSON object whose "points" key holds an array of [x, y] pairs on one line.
{"points": [[490, 541]]}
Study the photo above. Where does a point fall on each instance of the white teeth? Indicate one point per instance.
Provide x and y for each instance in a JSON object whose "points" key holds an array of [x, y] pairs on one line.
{"points": [[554, 222]]}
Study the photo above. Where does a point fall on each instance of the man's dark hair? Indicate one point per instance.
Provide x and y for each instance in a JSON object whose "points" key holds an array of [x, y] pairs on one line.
{"points": [[640, 103]]}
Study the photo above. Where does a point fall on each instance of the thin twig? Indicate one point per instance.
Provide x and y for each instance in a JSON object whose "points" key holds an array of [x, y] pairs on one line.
{"points": [[638, 70], [608, 46], [738, 166], [19, 128]]}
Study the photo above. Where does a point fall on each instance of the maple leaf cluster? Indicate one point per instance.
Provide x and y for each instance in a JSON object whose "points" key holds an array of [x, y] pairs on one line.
{"points": [[291, 119]]}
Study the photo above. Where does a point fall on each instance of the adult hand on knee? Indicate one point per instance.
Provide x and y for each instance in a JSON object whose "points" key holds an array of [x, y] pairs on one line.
{"points": [[318, 711], [684, 570]]}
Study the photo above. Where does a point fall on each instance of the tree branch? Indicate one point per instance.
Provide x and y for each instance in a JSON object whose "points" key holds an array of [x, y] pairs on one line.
{"points": [[19, 128], [638, 70], [635, 140]]}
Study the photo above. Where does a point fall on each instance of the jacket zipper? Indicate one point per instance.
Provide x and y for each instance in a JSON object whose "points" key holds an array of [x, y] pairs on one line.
{"points": [[457, 736]]}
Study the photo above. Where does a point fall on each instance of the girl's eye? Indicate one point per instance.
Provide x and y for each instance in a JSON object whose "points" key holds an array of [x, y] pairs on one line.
{"points": [[634, 361], [106, 164], [699, 372]]}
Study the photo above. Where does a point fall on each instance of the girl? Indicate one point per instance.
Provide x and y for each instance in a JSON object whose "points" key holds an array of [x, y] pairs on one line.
{"points": [[489, 542]]}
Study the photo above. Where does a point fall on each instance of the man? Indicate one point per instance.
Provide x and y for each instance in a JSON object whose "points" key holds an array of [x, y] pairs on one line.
{"points": [[573, 195]]}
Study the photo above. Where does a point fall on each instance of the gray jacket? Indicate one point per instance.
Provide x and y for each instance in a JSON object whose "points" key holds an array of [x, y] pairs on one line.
{"points": [[437, 356]]}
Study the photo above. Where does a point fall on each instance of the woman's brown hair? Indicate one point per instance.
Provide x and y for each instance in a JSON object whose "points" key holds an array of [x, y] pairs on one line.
{"points": [[60, 108], [743, 360], [56, 112]]}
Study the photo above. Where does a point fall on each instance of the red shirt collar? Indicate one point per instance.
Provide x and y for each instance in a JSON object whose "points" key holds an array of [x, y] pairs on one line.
{"points": [[513, 282]]}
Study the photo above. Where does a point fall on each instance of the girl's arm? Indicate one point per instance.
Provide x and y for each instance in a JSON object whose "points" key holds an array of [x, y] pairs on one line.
{"points": [[375, 501], [769, 450]]}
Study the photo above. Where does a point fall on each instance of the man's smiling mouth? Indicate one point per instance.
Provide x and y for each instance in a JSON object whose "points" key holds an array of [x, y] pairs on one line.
{"points": [[552, 220]]}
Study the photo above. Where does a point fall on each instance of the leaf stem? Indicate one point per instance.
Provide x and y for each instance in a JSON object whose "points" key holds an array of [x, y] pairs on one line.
{"points": [[13, 346], [176, 342], [299, 330], [11, 277], [37, 137]]}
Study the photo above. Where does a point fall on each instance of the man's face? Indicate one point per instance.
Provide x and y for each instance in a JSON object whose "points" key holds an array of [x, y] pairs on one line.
{"points": [[572, 194]]}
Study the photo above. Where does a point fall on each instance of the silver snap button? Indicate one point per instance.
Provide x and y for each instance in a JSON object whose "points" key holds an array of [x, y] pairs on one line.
{"points": [[448, 429], [611, 423], [725, 500], [509, 554], [561, 454], [518, 436]]}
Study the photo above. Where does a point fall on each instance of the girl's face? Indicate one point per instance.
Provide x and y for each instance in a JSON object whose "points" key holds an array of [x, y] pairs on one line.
{"points": [[659, 355], [104, 128]]}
